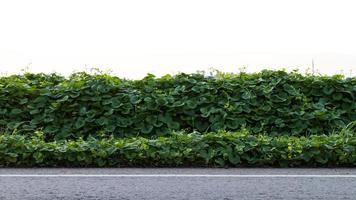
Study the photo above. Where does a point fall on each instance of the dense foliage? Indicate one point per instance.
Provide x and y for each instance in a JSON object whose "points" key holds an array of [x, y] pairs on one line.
{"points": [[219, 149], [275, 102]]}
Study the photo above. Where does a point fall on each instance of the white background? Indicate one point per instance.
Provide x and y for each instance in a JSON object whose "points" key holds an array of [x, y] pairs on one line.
{"points": [[133, 37]]}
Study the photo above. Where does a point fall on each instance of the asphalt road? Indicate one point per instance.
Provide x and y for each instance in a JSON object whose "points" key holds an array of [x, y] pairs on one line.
{"points": [[176, 184]]}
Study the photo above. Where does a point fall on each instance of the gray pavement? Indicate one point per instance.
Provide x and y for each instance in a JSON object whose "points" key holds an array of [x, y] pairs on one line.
{"points": [[181, 183]]}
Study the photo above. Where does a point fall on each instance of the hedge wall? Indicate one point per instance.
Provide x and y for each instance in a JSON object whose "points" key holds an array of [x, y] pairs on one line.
{"points": [[275, 102]]}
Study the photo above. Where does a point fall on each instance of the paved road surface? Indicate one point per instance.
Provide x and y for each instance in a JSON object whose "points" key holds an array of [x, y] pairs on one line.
{"points": [[177, 184]]}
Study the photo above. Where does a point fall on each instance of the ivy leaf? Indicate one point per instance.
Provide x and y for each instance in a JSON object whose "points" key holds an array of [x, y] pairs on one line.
{"points": [[337, 96], [191, 104], [63, 99], [146, 128], [79, 123], [102, 121], [135, 99], [161, 101], [290, 89], [235, 123], [15, 111], [173, 125], [23, 101], [246, 95], [328, 90], [116, 103]]}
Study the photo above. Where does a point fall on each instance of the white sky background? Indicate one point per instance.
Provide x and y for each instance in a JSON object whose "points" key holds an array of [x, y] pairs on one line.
{"points": [[133, 37]]}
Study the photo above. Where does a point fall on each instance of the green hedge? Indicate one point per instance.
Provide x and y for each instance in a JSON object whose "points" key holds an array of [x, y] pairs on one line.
{"points": [[275, 102], [219, 149]]}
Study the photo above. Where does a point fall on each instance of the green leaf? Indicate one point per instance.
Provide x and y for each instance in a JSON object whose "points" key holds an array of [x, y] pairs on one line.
{"points": [[102, 121], [328, 90], [234, 159], [110, 128], [23, 101], [146, 128], [173, 125], [205, 111], [116, 103], [235, 123], [135, 99], [290, 89], [220, 162], [337, 96], [191, 104], [91, 113], [38, 156], [246, 95], [109, 112], [79, 123], [63, 99], [161, 101], [218, 126], [32, 112], [15, 111]]}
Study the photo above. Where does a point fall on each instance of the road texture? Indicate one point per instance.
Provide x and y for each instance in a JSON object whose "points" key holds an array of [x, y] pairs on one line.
{"points": [[182, 183]]}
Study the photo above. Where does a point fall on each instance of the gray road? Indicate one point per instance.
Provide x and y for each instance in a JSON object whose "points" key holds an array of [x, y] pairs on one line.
{"points": [[178, 184]]}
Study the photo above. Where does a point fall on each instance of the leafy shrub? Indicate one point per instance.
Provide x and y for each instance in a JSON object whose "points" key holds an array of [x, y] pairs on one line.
{"points": [[219, 149], [274, 102]]}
